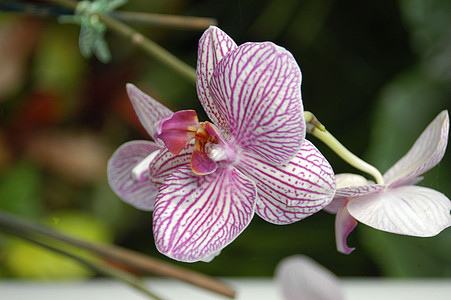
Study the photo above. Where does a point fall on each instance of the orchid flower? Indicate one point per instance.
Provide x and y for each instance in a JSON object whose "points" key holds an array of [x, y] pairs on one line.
{"points": [[205, 180], [397, 206], [301, 278]]}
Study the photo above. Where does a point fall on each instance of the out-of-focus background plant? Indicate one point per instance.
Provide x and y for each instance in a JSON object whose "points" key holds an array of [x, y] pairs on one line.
{"points": [[374, 72]]}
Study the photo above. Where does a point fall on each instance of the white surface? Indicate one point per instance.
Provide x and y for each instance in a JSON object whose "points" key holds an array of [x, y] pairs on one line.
{"points": [[247, 289]]}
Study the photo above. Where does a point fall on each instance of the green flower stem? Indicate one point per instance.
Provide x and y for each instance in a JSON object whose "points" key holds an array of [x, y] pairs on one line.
{"points": [[97, 267], [179, 22], [127, 258], [141, 41], [318, 130], [150, 47]]}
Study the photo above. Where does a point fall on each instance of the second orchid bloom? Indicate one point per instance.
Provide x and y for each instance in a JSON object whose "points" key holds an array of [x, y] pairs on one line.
{"points": [[398, 206], [204, 181]]}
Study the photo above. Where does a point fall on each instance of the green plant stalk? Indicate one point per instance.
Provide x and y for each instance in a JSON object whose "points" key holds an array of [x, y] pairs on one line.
{"points": [[136, 261], [141, 41], [173, 21], [315, 128], [150, 47]]}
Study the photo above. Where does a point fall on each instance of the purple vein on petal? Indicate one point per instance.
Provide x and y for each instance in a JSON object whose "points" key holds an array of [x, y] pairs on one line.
{"points": [[148, 110], [292, 192], [165, 163], [213, 45], [139, 194], [196, 216], [257, 88]]}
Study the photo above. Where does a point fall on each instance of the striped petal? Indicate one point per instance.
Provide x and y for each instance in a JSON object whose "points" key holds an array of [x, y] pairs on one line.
{"points": [[149, 110], [165, 164], [196, 216], [257, 88], [409, 210], [140, 194], [294, 191], [301, 278], [427, 151], [213, 46], [344, 224], [357, 191]]}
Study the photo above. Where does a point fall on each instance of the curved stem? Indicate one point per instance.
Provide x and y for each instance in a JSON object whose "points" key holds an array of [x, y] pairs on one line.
{"points": [[150, 47], [318, 130]]}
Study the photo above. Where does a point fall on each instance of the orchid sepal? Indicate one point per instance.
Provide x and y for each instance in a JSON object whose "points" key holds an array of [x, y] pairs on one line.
{"points": [[148, 110], [426, 152]]}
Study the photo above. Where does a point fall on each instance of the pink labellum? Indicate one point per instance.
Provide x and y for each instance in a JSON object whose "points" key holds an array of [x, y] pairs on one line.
{"points": [[201, 164], [344, 224], [177, 130]]}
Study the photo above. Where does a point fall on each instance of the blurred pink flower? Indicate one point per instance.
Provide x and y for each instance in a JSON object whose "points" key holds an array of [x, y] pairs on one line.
{"points": [[301, 278]]}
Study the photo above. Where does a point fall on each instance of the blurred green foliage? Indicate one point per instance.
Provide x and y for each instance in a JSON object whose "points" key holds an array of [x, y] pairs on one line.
{"points": [[27, 260], [374, 72]]}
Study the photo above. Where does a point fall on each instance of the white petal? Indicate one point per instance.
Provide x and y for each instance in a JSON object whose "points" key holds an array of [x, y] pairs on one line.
{"points": [[408, 210], [301, 278], [197, 216], [292, 192], [213, 46], [149, 110], [257, 88], [140, 194], [427, 151]]}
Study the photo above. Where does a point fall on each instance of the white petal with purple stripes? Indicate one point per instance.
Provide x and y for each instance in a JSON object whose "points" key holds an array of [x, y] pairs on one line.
{"points": [[165, 163], [149, 110], [292, 192], [359, 190], [140, 194], [427, 151], [213, 45], [409, 210], [257, 88], [196, 216]]}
